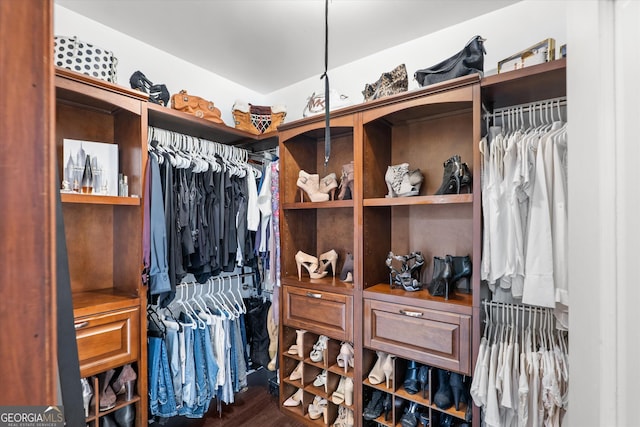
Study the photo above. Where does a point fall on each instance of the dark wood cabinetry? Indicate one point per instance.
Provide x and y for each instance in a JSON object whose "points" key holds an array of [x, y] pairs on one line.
{"points": [[423, 128]]}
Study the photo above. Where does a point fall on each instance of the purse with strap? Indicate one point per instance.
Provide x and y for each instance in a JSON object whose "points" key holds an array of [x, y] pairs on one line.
{"points": [[468, 61], [197, 106]]}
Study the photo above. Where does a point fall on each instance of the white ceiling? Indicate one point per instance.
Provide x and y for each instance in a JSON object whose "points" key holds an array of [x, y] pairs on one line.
{"points": [[266, 45]]}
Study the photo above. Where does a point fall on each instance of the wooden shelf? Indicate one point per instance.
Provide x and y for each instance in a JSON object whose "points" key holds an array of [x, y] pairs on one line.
{"points": [[332, 204], [99, 200], [102, 300], [419, 200]]}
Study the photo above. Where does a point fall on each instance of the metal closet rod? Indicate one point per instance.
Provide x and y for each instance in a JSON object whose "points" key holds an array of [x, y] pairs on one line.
{"points": [[535, 104], [187, 142], [509, 306]]}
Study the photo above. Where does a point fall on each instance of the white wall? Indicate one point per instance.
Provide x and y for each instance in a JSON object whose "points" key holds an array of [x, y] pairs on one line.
{"points": [[158, 66], [507, 32]]}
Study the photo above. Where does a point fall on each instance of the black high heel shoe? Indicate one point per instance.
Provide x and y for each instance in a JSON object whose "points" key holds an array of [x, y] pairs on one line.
{"points": [[444, 396], [456, 382], [461, 266], [451, 176], [375, 406], [410, 418], [423, 378], [411, 382], [424, 418], [439, 285], [446, 420], [467, 179], [387, 406]]}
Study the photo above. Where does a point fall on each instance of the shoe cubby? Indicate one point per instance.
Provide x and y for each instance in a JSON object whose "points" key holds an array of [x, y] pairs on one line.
{"points": [[125, 406], [407, 386]]}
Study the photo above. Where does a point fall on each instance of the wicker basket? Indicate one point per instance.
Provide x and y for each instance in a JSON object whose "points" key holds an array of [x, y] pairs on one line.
{"points": [[257, 119]]}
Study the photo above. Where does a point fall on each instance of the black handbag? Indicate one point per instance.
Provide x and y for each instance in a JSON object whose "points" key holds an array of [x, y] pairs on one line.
{"points": [[468, 61]]}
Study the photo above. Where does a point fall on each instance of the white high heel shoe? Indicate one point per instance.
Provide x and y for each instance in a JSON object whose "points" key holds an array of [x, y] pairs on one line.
{"points": [[296, 374], [345, 358], [295, 399], [376, 375], [307, 261], [310, 184], [317, 354], [329, 258], [300, 342]]}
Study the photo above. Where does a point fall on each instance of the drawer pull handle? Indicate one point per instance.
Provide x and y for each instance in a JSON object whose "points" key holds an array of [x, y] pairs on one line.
{"points": [[411, 313], [312, 295], [80, 325]]}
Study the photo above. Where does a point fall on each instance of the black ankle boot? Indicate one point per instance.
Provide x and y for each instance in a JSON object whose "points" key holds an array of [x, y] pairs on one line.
{"points": [[411, 382], [423, 378], [451, 177], [461, 266], [442, 273], [444, 396], [466, 180], [458, 389], [387, 406]]}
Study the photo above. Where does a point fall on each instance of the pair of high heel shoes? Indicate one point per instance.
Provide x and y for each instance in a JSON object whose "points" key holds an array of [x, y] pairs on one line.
{"points": [[448, 273], [456, 177], [403, 182], [124, 383], [405, 270], [318, 190], [317, 267]]}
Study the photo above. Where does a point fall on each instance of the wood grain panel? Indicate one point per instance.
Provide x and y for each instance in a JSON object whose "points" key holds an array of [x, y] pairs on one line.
{"points": [[27, 171]]}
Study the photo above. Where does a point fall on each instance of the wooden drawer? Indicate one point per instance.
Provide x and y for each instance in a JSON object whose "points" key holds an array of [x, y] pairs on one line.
{"points": [[325, 313], [433, 337], [107, 340]]}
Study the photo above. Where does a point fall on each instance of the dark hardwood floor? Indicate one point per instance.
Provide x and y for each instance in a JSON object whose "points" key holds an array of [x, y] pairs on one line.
{"points": [[253, 407]]}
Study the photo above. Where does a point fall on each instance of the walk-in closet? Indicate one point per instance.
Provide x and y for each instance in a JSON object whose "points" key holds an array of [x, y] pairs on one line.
{"points": [[287, 213]]}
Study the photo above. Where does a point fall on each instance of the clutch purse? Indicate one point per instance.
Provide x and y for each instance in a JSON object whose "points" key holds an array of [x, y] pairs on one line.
{"points": [[468, 61], [389, 83], [197, 106]]}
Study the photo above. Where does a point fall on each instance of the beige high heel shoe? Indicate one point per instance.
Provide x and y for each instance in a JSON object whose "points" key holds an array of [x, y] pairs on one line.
{"points": [[295, 399], [307, 261], [326, 259], [387, 368], [310, 183], [376, 375], [328, 185]]}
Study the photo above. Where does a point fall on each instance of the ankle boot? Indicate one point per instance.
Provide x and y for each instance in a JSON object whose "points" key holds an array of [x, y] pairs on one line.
{"points": [[125, 416], [394, 177], [346, 275], [444, 396], [451, 176], [461, 272], [458, 389], [411, 383], [310, 184], [375, 406], [466, 179], [125, 382], [423, 378], [439, 285], [345, 189], [106, 394]]}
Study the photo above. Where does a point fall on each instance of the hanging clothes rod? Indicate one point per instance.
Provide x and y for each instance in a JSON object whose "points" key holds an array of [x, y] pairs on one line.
{"points": [[510, 306], [562, 101], [179, 141]]}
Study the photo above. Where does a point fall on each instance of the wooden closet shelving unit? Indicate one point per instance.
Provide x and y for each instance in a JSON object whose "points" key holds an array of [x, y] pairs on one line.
{"points": [[104, 233], [423, 127]]}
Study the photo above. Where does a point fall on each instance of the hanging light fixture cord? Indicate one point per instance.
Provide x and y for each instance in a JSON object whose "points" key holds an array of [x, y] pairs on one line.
{"points": [[325, 76]]}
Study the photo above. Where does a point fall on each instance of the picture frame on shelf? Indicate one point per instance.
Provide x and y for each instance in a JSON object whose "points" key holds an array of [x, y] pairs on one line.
{"points": [[539, 53], [104, 166]]}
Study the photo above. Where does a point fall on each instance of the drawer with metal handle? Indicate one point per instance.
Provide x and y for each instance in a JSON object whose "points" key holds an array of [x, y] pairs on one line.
{"points": [[325, 313]]}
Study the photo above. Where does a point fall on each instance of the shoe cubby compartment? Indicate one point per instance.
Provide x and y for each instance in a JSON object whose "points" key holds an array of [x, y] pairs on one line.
{"points": [[423, 133], [323, 312], [121, 401], [290, 391]]}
